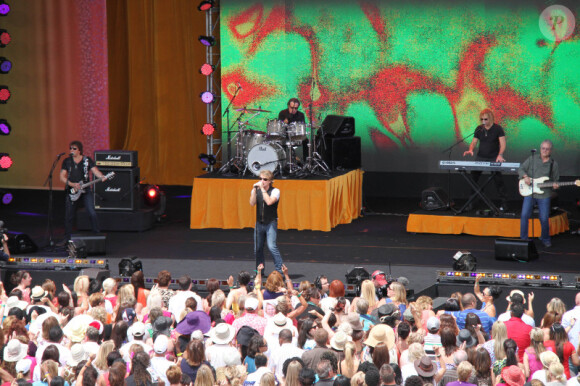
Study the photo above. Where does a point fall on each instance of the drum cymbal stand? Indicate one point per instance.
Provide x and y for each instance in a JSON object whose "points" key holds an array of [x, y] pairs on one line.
{"points": [[291, 166], [236, 163], [314, 162]]}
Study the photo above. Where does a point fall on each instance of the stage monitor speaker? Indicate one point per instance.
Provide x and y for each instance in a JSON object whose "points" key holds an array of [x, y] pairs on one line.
{"points": [[96, 278], [342, 153], [20, 243], [515, 250], [95, 243], [434, 198], [338, 126], [120, 192]]}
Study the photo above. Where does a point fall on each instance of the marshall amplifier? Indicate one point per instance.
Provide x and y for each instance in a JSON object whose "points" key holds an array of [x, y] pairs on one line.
{"points": [[116, 158], [120, 192]]}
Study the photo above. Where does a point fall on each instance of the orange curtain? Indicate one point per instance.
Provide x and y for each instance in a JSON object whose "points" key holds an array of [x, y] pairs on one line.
{"points": [[154, 86]]}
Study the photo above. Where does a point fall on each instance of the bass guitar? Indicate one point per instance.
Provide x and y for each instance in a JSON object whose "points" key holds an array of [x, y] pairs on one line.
{"points": [[539, 183], [74, 194]]}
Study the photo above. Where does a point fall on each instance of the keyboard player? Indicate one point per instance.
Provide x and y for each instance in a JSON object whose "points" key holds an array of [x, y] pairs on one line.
{"points": [[492, 145]]}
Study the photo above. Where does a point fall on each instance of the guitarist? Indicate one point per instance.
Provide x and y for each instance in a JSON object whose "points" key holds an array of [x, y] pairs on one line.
{"points": [[537, 167], [74, 172]]}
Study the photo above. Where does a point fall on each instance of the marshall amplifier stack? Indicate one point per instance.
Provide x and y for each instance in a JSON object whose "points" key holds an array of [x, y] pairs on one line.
{"points": [[122, 191]]}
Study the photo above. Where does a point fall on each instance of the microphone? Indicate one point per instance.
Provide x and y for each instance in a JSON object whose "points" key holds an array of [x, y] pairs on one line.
{"points": [[61, 154], [533, 151], [239, 86]]}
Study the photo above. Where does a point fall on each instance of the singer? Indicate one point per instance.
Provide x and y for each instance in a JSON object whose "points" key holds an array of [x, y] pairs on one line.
{"points": [[74, 172], [291, 114], [535, 167], [492, 145], [265, 197]]}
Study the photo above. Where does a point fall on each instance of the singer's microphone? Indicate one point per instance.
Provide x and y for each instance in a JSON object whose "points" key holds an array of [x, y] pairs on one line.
{"points": [[239, 86], [61, 154], [533, 150], [71, 154]]}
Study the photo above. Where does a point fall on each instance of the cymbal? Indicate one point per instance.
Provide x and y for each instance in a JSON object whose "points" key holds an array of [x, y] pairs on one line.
{"points": [[245, 109], [247, 124]]}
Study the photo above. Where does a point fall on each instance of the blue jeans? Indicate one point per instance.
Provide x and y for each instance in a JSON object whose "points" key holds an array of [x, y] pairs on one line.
{"points": [[267, 233], [70, 212], [544, 208]]}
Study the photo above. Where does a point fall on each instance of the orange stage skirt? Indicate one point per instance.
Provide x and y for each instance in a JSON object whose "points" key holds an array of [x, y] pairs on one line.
{"points": [[481, 226], [304, 204]]}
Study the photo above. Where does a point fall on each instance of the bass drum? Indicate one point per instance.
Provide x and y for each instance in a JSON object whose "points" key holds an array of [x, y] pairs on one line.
{"points": [[266, 156], [251, 138]]}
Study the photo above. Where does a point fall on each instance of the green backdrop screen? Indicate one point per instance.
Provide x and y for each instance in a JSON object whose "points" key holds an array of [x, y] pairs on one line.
{"points": [[414, 75]]}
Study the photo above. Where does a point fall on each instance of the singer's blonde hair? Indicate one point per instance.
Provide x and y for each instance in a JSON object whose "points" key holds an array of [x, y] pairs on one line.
{"points": [[267, 174]]}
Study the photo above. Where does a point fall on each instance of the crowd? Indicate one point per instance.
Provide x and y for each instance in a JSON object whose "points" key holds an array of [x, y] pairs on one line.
{"points": [[273, 333]]}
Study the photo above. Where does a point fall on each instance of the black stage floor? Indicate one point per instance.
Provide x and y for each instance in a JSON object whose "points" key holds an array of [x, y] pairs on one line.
{"points": [[376, 240]]}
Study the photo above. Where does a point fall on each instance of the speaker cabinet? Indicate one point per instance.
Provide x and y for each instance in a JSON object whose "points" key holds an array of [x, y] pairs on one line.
{"points": [[20, 243], [515, 249], [338, 126], [120, 192], [342, 153], [95, 244], [434, 198]]}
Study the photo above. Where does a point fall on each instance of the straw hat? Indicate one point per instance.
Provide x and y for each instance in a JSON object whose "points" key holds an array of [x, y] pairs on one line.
{"points": [[381, 333], [15, 351], [78, 354], [76, 329], [338, 341], [38, 293], [223, 333]]}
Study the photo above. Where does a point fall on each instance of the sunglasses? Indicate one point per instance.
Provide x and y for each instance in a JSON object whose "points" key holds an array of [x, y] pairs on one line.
{"points": [[265, 179], [484, 119], [74, 148]]}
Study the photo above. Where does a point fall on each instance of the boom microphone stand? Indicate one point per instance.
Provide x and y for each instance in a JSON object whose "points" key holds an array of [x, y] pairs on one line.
{"points": [[449, 150], [48, 181]]}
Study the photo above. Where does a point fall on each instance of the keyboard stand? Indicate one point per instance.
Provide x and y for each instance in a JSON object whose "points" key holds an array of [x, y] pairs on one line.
{"points": [[478, 191]]}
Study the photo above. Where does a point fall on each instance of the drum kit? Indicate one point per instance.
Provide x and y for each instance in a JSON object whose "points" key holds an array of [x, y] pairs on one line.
{"points": [[274, 149]]}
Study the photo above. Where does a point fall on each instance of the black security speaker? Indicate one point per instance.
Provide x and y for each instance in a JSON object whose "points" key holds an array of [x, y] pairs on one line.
{"points": [[434, 198], [120, 192], [342, 153], [338, 126], [515, 250]]}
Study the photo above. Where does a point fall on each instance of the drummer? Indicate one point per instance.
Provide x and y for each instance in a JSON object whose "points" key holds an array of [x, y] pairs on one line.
{"points": [[291, 114]]}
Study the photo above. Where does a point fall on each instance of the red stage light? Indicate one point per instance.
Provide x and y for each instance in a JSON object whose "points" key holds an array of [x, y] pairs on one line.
{"points": [[208, 128], [152, 195], [5, 161], [4, 94], [5, 38], [206, 69], [206, 5]]}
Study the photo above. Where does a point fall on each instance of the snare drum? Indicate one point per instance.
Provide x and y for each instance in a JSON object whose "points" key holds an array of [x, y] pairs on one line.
{"points": [[298, 131], [251, 138], [266, 156], [276, 129]]}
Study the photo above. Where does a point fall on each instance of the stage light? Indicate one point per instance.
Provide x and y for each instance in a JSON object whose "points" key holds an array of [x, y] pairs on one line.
{"points": [[208, 159], [4, 94], [206, 5], [4, 9], [5, 65], [207, 97], [152, 194], [208, 128], [464, 261], [208, 41], [7, 198], [206, 69], [4, 127], [533, 279], [128, 266], [5, 38], [5, 161]]}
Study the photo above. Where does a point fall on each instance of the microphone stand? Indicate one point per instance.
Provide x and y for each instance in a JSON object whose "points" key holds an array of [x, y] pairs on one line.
{"points": [[315, 161], [449, 150], [227, 115], [48, 181]]}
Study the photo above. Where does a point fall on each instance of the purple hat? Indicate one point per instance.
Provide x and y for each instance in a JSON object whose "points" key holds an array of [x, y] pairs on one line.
{"points": [[195, 320]]}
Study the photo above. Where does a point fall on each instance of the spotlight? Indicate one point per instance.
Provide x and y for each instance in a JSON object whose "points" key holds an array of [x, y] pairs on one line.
{"points": [[464, 261], [5, 38], [355, 277], [5, 161], [206, 97], [208, 159], [129, 266], [206, 5], [206, 69], [208, 128], [4, 94], [152, 194], [208, 41], [6, 198], [77, 249], [5, 65], [4, 127], [4, 9]]}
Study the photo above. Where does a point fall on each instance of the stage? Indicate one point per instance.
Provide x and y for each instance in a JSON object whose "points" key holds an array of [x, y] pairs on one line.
{"points": [[305, 204], [451, 224]]}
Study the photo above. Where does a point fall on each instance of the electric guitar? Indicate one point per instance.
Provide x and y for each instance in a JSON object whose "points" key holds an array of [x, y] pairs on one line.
{"points": [[74, 194], [539, 183]]}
